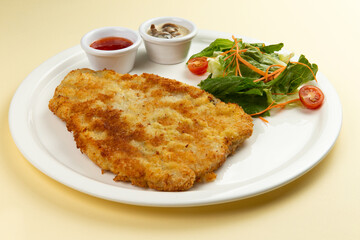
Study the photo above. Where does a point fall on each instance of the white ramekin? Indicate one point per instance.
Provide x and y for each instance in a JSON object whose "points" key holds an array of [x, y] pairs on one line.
{"points": [[122, 60], [167, 51]]}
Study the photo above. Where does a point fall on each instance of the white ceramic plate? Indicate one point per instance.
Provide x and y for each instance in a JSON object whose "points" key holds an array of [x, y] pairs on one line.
{"points": [[292, 143]]}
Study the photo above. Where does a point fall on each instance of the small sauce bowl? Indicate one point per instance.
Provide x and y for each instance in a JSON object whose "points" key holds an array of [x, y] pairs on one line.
{"points": [[121, 60], [167, 51]]}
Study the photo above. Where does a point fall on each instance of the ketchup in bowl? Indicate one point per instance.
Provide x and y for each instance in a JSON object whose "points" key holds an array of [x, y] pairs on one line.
{"points": [[111, 43]]}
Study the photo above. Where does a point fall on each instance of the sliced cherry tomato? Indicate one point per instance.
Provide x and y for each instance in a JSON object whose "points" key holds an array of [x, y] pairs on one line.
{"points": [[198, 65], [311, 97]]}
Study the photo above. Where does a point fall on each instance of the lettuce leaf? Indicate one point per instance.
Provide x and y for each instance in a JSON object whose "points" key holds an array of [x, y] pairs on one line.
{"points": [[219, 45], [293, 77], [258, 54], [272, 48]]}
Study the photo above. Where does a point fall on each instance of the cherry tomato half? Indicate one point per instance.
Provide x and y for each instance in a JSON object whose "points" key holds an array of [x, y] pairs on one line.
{"points": [[198, 65], [311, 97]]}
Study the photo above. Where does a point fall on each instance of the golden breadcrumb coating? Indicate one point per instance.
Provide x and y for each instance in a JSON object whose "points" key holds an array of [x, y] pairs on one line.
{"points": [[151, 131]]}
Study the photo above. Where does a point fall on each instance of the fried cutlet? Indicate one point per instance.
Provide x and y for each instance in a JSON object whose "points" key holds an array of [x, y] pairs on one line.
{"points": [[148, 130]]}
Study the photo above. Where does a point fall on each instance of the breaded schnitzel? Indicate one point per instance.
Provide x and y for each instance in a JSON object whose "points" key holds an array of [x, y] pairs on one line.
{"points": [[148, 130]]}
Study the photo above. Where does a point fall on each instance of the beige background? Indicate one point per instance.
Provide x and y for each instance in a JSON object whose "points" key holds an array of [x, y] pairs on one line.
{"points": [[323, 204]]}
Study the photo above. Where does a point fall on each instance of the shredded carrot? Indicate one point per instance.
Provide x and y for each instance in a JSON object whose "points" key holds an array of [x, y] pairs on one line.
{"points": [[224, 72], [258, 49], [235, 50], [249, 65], [283, 104], [231, 49], [237, 71], [271, 106], [275, 74], [264, 120], [229, 56], [268, 69], [266, 109], [226, 52]]}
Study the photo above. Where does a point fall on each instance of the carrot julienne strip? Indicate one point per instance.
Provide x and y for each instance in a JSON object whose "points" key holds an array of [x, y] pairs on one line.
{"points": [[229, 56], [249, 65], [237, 71], [276, 73], [226, 52], [268, 69], [266, 109], [224, 72], [264, 120]]}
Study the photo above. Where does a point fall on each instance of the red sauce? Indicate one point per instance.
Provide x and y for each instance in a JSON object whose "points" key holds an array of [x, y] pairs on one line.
{"points": [[111, 43]]}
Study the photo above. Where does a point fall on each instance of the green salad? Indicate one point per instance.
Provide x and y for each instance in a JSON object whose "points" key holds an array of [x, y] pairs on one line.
{"points": [[255, 76]]}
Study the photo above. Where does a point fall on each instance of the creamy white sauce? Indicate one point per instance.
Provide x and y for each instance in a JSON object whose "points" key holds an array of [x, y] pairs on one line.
{"points": [[168, 30]]}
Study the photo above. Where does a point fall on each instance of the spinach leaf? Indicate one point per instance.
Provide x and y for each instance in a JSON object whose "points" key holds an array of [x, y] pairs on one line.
{"points": [[222, 86], [250, 103], [252, 96]]}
